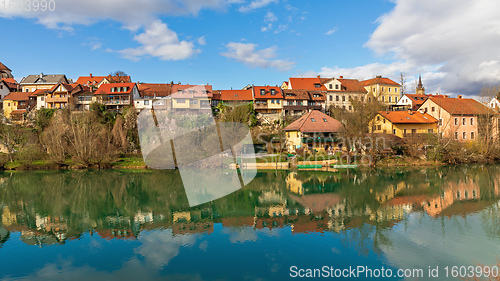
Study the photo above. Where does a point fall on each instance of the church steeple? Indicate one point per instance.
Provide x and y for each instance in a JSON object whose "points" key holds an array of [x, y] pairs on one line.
{"points": [[420, 90]]}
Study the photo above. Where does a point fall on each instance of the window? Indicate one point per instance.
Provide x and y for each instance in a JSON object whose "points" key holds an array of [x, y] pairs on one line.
{"points": [[324, 120], [396, 90], [384, 121], [458, 194], [379, 127], [378, 118], [383, 98], [464, 121], [330, 86], [277, 101], [272, 101], [425, 110], [262, 92], [337, 98], [456, 135], [181, 100], [471, 135], [27, 90], [331, 97], [456, 121], [312, 119], [413, 131], [8, 104], [472, 121], [393, 131], [374, 89], [146, 102], [433, 109], [42, 98], [343, 98], [112, 90], [395, 99], [390, 99], [336, 86], [382, 89], [350, 108], [430, 131], [273, 92], [389, 89], [404, 131], [440, 122], [1, 87], [193, 101]]}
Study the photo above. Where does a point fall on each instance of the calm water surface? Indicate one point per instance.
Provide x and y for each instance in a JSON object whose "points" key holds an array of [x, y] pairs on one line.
{"points": [[138, 225]]}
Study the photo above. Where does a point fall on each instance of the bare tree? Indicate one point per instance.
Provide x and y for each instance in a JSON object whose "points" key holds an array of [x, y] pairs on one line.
{"points": [[402, 81]]}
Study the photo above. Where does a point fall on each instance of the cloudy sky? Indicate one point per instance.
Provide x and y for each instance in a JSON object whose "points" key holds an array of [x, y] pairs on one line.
{"points": [[453, 44]]}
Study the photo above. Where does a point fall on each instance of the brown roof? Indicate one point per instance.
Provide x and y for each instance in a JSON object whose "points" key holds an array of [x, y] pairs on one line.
{"points": [[18, 96], [379, 80], [39, 92], [18, 111], [105, 89], [296, 94], [150, 90], [405, 117], [3, 67], [90, 80], [417, 99], [459, 106], [236, 95], [307, 84], [352, 85], [314, 122]]}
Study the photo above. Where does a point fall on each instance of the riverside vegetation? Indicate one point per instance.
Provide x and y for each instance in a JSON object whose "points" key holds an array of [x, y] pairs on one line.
{"points": [[62, 139]]}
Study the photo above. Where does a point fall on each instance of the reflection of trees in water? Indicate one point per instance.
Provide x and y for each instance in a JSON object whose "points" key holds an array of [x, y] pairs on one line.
{"points": [[4, 236]]}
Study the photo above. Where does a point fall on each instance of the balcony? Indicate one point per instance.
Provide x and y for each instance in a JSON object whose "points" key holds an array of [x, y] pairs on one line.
{"points": [[319, 140], [260, 105], [302, 107], [116, 102], [56, 99]]}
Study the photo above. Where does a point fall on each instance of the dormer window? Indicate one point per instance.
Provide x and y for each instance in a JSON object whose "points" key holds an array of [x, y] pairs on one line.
{"points": [[336, 86], [330, 86], [313, 120], [324, 120], [112, 90], [317, 85], [273, 92], [262, 92]]}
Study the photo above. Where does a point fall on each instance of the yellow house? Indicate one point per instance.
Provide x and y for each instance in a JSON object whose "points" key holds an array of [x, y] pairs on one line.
{"points": [[32, 83], [404, 123], [383, 89], [192, 98], [16, 104]]}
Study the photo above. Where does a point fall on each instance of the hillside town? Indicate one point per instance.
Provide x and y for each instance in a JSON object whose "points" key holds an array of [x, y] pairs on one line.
{"points": [[313, 112]]}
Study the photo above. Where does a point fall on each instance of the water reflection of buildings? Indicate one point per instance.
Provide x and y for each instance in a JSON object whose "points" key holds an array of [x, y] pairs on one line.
{"points": [[452, 192]]}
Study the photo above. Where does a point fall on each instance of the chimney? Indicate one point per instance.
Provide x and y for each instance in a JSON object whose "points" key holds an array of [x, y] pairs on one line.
{"points": [[459, 96], [319, 76], [410, 112], [341, 77], [378, 76], [90, 75], [41, 75]]}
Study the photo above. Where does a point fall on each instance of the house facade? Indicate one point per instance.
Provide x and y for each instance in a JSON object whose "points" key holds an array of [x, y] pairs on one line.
{"points": [[154, 95], [16, 104], [97, 81], [268, 102], [232, 97], [411, 101], [460, 119], [341, 92], [116, 96], [192, 98], [383, 89], [7, 87], [32, 83], [314, 131], [404, 123], [300, 102]]}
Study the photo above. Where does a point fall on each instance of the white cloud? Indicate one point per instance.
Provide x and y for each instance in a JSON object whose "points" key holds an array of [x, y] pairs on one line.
{"points": [[159, 41], [202, 41], [246, 53], [270, 17], [453, 43], [331, 31], [256, 4], [93, 43]]}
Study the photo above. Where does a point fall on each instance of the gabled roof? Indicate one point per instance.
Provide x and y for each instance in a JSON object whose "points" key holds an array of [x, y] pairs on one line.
{"points": [[39, 92], [352, 85], [417, 99], [12, 86], [90, 80], [267, 90], [307, 84], [405, 117], [18, 96], [44, 79], [151, 90], [293, 94], [380, 81], [105, 89], [314, 122], [68, 87], [4, 68], [10, 80], [460, 106], [236, 95]]}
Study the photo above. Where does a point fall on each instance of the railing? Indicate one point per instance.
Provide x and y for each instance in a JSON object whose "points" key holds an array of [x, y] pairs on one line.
{"points": [[260, 105], [302, 107], [57, 99], [318, 139], [116, 102]]}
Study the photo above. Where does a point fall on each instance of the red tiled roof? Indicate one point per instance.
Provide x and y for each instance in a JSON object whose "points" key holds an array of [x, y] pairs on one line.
{"points": [[150, 90], [380, 81], [277, 90], [182, 91], [105, 89], [404, 117], [39, 92], [459, 106], [305, 124], [293, 94], [3, 67], [68, 87], [417, 99], [90, 80], [18, 96], [307, 84], [352, 85], [10, 80], [18, 111], [236, 95]]}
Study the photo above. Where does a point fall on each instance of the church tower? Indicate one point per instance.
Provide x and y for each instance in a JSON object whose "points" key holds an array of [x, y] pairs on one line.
{"points": [[420, 90]]}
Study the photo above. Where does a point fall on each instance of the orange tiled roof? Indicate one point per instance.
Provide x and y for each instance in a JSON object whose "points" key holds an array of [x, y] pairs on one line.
{"points": [[39, 92], [380, 81], [307, 84], [305, 124], [150, 90], [90, 80], [18, 96], [417, 99], [459, 106], [10, 80], [105, 89], [293, 94], [405, 117], [352, 85], [277, 90], [236, 95]]}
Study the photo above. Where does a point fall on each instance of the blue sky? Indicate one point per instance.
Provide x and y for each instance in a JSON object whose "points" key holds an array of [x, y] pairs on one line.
{"points": [[232, 43]]}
